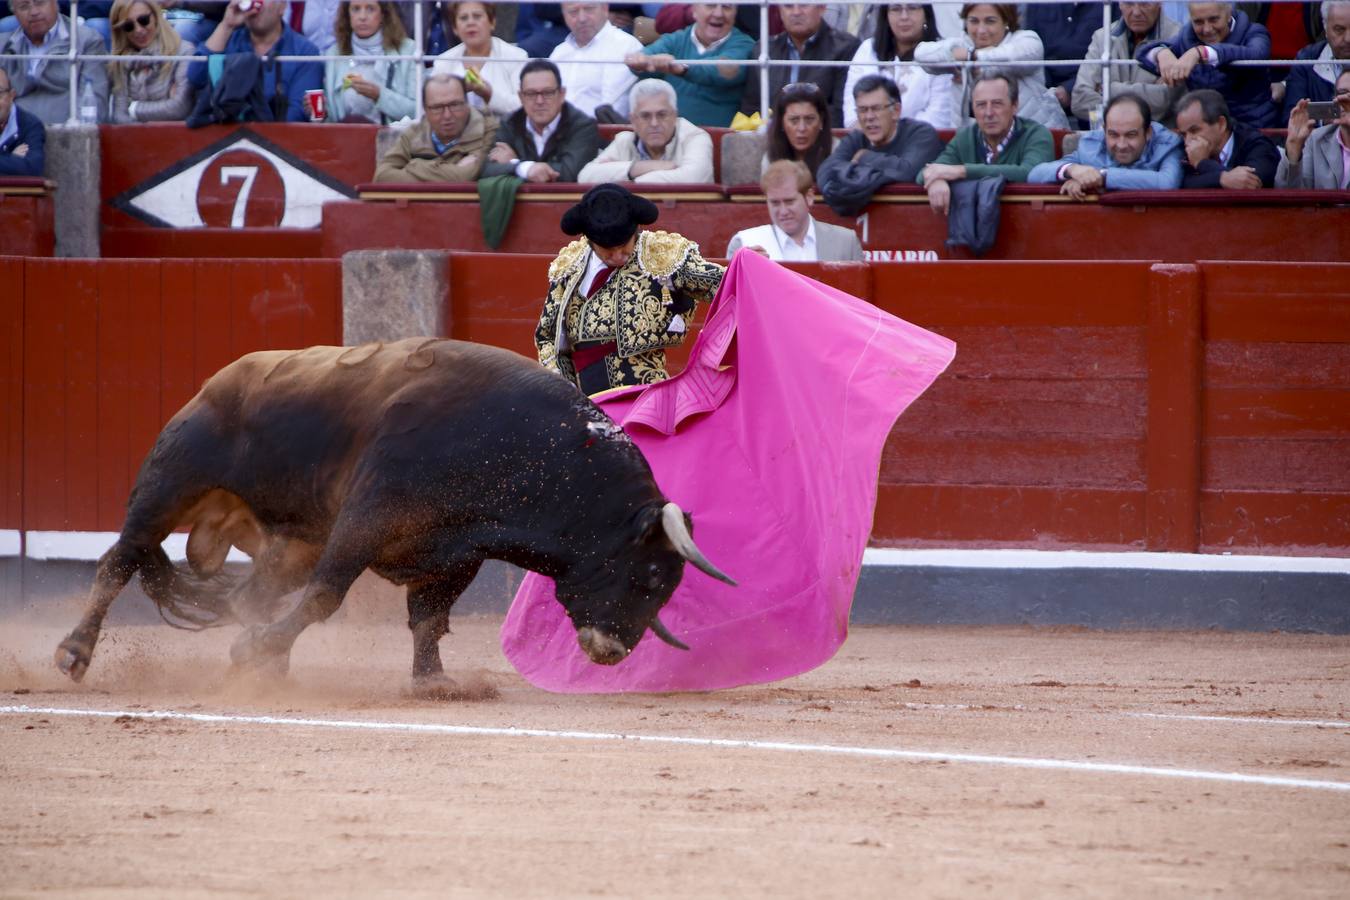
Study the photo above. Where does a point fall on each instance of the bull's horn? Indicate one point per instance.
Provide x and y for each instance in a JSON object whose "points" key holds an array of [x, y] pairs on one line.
{"points": [[672, 519], [664, 634]]}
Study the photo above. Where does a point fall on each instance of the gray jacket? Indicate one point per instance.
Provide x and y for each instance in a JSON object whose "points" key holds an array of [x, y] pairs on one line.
{"points": [[161, 93], [46, 94], [1319, 168], [1126, 78]]}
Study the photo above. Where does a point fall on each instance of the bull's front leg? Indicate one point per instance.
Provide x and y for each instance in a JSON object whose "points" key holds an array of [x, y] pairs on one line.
{"points": [[429, 619]]}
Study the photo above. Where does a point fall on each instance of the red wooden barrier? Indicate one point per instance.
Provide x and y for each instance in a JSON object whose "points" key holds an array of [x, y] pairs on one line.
{"points": [[1090, 404], [899, 226], [110, 349], [1121, 404], [27, 217]]}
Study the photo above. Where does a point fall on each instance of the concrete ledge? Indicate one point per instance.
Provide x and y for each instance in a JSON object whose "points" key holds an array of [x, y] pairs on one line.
{"points": [[74, 162], [742, 157], [1063, 589], [388, 295]]}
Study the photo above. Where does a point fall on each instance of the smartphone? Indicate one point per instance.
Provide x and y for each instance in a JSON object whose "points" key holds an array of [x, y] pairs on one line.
{"points": [[1325, 111]]}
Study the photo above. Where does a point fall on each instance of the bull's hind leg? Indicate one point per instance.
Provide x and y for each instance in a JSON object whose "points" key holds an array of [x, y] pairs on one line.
{"points": [[350, 549], [429, 618], [115, 569]]}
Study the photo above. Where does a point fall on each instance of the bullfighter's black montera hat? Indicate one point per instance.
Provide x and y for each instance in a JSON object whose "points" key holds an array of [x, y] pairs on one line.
{"points": [[609, 215]]}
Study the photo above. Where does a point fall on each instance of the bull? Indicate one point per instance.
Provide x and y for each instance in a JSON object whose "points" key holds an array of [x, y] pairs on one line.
{"points": [[417, 460]]}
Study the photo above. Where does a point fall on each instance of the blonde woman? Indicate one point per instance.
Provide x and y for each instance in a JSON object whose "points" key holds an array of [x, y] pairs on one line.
{"points": [[368, 87], [145, 90]]}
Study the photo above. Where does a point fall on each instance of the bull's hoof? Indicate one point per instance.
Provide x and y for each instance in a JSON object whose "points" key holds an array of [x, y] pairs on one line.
{"points": [[435, 687], [255, 652], [72, 657]]}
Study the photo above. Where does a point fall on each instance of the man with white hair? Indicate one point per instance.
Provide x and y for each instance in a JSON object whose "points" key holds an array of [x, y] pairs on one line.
{"points": [[662, 147], [1202, 54], [591, 60], [1318, 83]]}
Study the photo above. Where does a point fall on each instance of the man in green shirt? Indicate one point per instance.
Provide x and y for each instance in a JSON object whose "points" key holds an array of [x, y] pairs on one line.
{"points": [[998, 143]]}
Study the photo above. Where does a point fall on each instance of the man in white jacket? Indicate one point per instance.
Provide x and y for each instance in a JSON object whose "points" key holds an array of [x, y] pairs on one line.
{"points": [[662, 148]]}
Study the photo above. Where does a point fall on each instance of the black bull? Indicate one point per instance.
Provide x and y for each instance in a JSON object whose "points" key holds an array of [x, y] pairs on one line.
{"points": [[417, 460]]}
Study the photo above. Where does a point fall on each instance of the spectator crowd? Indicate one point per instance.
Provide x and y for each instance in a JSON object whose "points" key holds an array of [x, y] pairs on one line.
{"points": [[858, 93]]}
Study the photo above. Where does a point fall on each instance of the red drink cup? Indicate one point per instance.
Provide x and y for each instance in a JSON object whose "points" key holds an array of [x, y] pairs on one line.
{"points": [[317, 106]]}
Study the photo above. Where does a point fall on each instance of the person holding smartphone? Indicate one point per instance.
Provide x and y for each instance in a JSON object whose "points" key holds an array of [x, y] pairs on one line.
{"points": [[1318, 158]]}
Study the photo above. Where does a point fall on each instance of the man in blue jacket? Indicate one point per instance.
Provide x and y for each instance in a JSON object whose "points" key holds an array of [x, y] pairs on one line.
{"points": [[1200, 56], [22, 136], [1130, 152], [267, 35]]}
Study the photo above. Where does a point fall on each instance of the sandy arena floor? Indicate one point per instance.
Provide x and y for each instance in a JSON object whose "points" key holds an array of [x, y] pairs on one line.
{"points": [[119, 805]]}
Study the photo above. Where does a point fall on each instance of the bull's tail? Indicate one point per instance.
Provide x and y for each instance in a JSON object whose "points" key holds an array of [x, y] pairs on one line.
{"points": [[186, 599]]}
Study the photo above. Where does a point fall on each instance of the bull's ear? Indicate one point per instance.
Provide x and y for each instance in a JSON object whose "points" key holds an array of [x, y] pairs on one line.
{"points": [[649, 526]]}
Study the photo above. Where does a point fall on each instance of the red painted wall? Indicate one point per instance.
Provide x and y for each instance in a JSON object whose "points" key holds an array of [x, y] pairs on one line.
{"points": [[105, 351], [1126, 405]]}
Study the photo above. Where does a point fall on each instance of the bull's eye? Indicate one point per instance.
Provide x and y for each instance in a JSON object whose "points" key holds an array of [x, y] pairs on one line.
{"points": [[654, 577]]}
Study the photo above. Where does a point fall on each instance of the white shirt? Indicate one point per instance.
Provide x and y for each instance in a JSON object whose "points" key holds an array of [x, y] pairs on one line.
{"points": [[1226, 153], [540, 142], [320, 18], [590, 84], [11, 124], [778, 245], [502, 73], [923, 96]]}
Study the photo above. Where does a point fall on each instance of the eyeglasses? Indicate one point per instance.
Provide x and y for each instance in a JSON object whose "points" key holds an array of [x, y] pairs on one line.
{"points": [[874, 110], [531, 96], [142, 21], [438, 108], [659, 115], [801, 87]]}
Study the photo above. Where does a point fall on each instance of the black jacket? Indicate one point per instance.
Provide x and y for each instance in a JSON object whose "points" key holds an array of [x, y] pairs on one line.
{"points": [[1304, 83], [1250, 148], [826, 44], [1065, 31], [575, 143], [32, 133], [848, 186]]}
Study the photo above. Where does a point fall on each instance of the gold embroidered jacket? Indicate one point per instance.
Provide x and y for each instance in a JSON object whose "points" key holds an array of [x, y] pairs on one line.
{"points": [[664, 278]]}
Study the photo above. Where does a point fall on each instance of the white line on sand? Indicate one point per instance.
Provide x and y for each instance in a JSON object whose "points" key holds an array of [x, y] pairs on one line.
{"points": [[721, 743], [1246, 720]]}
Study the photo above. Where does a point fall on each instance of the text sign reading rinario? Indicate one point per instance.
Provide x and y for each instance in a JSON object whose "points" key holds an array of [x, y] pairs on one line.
{"points": [[242, 181]]}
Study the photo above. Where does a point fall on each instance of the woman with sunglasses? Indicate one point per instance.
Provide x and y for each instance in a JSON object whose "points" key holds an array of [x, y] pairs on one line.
{"points": [[367, 87], [992, 36], [145, 90], [799, 129], [898, 29]]}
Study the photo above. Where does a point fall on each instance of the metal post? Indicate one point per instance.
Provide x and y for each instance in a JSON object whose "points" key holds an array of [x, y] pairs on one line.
{"points": [[764, 98], [74, 63], [419, 30], [1106, 54]]}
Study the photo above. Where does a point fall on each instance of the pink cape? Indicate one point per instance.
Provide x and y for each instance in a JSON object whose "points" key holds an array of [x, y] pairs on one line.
{"points": [[773, 444]]}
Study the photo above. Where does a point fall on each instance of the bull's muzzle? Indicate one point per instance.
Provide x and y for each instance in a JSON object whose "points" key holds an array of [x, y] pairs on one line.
{"points": [[601, 648]]}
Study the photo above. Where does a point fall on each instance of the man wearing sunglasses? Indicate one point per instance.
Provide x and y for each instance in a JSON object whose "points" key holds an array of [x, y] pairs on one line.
{"points": [[451, 142], [41, 79], [22, 136], [806, 38]]}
